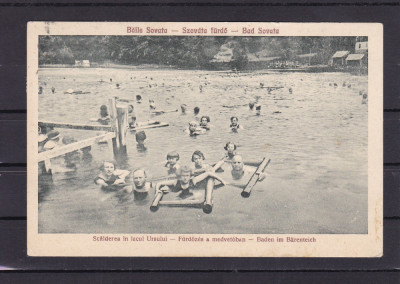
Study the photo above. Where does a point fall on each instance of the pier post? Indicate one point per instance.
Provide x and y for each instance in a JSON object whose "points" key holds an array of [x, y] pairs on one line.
{"points": [[119, 123]]}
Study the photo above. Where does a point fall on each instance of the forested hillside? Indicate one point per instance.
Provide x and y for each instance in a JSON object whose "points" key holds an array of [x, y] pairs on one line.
{"points": [[184, 52]]}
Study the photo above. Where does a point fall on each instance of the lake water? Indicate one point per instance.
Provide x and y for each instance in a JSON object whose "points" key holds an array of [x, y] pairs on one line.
{"points": [[316, 139]]}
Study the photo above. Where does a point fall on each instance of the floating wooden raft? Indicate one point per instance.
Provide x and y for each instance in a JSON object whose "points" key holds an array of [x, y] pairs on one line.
{"points": [[161, 124], [205, 204], [254, 178]]}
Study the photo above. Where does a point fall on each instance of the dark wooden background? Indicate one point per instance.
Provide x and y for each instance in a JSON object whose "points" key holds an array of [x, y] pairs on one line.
{"points": [[13, 20]]}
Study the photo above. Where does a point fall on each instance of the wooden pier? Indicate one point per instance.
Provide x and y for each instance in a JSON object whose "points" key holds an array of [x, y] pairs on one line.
{"points": [[115, 136]]}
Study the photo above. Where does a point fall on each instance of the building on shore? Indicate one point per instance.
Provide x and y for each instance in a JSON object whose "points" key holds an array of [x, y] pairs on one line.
{"points": [[82, 63], [356, 60], [339, 58]]}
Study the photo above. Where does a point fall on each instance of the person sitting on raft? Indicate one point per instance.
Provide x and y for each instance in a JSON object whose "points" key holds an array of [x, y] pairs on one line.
{"points": [[110, 177], [140, 184], [198, 163], [204, 122], [104, 116], [185, 182], [194, 129], [172, 164], [235, 124]]}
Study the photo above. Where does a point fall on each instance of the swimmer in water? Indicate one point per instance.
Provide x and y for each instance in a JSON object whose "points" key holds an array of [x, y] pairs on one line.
{"points": [[235, 124], [240, 173], [104, 116], [198, 163], [185, 183], [110, 177], [196, 111], [183, 108], [131, 116], [204, 122], [172, 164], [138, 99], [194, 129], [230, 149], [141, 186], [140, 138], [152, 104]]}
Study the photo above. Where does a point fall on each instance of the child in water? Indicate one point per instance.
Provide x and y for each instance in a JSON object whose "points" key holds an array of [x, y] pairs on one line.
{"points": [[230, 149], [172, 164], [110, 177]]}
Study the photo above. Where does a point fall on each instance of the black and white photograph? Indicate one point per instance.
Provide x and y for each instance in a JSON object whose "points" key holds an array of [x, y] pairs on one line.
{"points": [[220, 135]]}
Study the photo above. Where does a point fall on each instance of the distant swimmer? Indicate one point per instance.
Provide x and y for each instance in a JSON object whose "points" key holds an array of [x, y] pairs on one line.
{"points": [[117, 86], [290, 90], [111, 178], [364, 99], [261, 85], [138, 99], [240, 174], [104, 116], [152, 104], [40, 90], [201, 88], [251, 105], [185, 183], [205, 122], [230, 149], [198, 163], [194, 129], [140, 138], [335, 85], [110, 79], [258, 109], [53, 90], [183, 108], [349, 86], [141, 186], [235, 124], [196, 111], [172, 162]]}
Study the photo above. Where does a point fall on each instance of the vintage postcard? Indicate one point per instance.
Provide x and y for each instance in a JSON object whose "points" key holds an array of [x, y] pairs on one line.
{"points": [[205, 139]]}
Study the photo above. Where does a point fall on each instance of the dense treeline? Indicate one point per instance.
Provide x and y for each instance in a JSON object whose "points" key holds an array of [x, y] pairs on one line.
{"points": [[185, 52]]}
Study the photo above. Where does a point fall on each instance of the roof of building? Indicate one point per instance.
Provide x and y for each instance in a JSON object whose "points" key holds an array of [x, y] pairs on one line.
{"points": [[340, 54], [307, 55], [353, 57]]}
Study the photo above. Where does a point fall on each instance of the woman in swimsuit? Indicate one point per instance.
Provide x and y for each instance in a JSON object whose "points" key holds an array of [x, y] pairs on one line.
{"points": [[235, 124], [198, 163]]}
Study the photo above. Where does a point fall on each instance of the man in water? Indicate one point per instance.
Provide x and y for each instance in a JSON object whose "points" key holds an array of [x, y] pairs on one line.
{"points": [[141, 186], [240, 173]]}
